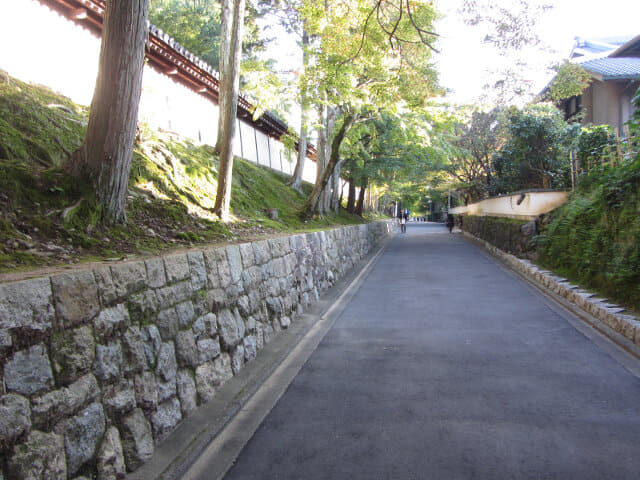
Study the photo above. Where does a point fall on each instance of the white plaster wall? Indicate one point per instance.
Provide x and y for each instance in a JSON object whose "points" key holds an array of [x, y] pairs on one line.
{"points": [[606, 104], [40, 46], [533, 205]]}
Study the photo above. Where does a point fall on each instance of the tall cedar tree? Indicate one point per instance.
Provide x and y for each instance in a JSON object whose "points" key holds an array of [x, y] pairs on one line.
{"points": [[105, 155], [229, 107]]}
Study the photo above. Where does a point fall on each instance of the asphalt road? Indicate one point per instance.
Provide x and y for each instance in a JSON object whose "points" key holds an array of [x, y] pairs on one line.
{"points": [[446, 366]]}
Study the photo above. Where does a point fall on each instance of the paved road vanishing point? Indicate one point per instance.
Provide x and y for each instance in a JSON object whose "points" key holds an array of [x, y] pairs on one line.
{"points": [[444, 365]]}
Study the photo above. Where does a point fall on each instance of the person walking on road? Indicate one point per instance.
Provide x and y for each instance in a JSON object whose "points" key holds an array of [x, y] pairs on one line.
{"points": [[449, 222]]}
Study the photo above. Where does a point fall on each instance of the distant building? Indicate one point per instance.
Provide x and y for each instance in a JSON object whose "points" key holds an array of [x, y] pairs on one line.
{"points": [[614, 65]]}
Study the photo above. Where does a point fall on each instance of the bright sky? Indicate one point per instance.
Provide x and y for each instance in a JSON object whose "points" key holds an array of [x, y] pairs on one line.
{"points": [[465, 59]]}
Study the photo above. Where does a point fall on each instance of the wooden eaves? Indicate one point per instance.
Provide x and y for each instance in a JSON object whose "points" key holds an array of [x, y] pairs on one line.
{"points": [[165, 55]]}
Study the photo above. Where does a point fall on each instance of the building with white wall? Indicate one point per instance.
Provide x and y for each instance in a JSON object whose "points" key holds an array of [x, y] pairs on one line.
{"points": [[55, 48]]}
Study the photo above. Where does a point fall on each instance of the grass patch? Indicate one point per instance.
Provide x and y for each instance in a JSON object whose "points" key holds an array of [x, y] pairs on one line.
{"points": [[48, 219]]}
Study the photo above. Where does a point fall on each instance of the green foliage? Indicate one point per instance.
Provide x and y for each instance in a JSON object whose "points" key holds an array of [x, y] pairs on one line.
{"points": [[535, 154], [398, 156], [594, 145], [570, 81], [195, 24], [595, 238]]}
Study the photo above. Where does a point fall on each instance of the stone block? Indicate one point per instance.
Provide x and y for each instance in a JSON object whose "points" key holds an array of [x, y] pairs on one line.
{"points": [[285, 322], [272, 287], [247, 255], [41, 456], [15, 417], [216, 299], [198, 270], [250, 324], [212, 256], [206, 381], [237, 359], [111, 322], [186, 314], [186, 350], [275, 268], [167, 366], [235, 262], [255, 300], [211, 375], [252, 277], [199, 300], [298, 242], [119, 399], [166, 372], [137, 440], [146, 390], [167, 323], [166, 418], [156, 276], [82, 436], [143, 306], [250, 345], [129, 278], [279, 247], [64, 402], [177, 268], [106, 288], [152, 341], [26, 308], [205, 326], [231, 331], [172, 294], [261, 252], [208, 349], [135, 359], [75, 298], [110, 460], [274, 305], [243, 306], [29, 372], [108, 362], [187, 393], [224, 270]]}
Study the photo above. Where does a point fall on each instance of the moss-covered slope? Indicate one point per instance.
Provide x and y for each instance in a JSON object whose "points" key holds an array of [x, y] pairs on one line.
{"points": [[46, 217]]}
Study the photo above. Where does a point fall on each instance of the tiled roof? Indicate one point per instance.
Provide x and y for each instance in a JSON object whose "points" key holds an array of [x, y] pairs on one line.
{"points": [[594, 46], [614, 68]]}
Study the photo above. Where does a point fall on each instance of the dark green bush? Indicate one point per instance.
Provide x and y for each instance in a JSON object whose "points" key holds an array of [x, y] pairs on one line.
{"points": [[595, 238]]}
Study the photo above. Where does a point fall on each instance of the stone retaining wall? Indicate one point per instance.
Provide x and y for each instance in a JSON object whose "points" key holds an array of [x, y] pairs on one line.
{"points": [[510, 235], [98, 366]]}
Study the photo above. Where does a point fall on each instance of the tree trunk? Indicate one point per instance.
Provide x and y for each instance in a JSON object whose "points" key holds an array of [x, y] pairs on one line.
{"points": [[321, 156], [105, 155], [296, 180], [311, 205], [226, 20], [360, 205], [351, 198], [329, 126], [232, 87], [335, 195]]}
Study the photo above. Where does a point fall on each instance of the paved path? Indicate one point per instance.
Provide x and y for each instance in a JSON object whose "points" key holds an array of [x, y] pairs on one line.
{"points": [[446, 366]]}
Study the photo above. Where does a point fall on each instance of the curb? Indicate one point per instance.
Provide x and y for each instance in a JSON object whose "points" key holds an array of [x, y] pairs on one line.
{"points": [[609, 319]]}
